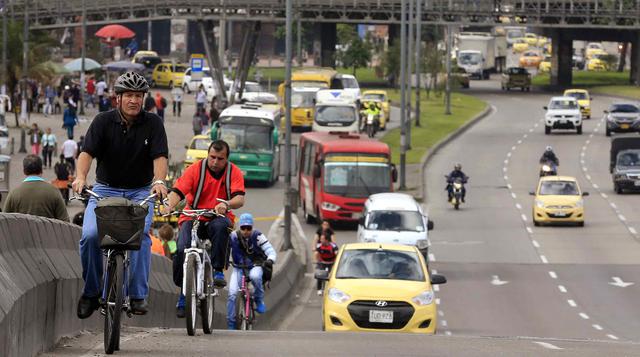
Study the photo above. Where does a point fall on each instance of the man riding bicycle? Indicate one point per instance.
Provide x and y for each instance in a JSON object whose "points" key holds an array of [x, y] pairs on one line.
{"points": [[131, 148], [251, 248], [202, 184]]}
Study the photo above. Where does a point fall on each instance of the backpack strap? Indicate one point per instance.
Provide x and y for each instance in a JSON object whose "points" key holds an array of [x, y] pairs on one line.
{"points": [[227, 181], [201, 179]]}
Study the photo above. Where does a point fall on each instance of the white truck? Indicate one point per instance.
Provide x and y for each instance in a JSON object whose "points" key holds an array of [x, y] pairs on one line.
{"points": [[336, 110], [477, 53]]}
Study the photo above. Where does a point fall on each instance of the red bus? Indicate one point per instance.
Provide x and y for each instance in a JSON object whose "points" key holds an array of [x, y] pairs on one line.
{"points": [[338, 172]]}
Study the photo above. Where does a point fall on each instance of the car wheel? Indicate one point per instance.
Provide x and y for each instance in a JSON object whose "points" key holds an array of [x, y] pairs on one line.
{"points": [[617, 188], [581, 224], [579, 129], [307, 217], [547, 130], [536, 223]]}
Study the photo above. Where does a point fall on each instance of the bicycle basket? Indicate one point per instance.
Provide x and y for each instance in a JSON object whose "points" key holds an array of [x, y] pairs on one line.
{"points": [[120, 223]]}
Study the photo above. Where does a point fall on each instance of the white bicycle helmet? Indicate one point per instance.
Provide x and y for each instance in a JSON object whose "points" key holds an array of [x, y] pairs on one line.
{"points": [[131, 82]]}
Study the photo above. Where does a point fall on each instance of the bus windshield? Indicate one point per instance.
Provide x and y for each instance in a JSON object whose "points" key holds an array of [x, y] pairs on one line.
{"points": [[247, 137], [353, 175], [309, 84], [302, 99]]}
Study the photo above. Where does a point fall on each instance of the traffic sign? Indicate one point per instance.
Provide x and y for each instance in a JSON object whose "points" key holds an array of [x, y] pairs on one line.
{"points": [[197, 64]]}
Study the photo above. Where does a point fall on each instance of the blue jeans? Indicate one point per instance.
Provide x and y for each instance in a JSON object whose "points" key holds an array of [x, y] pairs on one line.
{"points": [[255, 274], [91, 254]]}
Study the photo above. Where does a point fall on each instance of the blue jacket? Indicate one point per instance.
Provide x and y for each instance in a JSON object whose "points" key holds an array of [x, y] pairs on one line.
{"points": [[258, 249], [69, 118]]}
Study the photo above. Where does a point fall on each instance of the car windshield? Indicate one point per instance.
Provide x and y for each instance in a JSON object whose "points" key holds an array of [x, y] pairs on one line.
{"points": [[395, 221], [563, 188], [530, 54], [302, 99], [563, 104], [200, 144], [629, 158], [598, 56], [352, 175], [578, 95], [247, 137], [514, 34], [624, 108], [326, 114], [469, 58], [379, 264], [379, 97], [252, 87], [349, 83], [179, 68], [518, 71], [149, 62]]}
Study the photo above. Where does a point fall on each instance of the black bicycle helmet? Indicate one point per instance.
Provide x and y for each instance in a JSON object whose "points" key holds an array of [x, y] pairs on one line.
{"points": [[131, 82]]}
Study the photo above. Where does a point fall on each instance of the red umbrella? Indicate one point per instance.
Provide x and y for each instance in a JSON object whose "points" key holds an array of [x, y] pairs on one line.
{"points": [[115, 31]]}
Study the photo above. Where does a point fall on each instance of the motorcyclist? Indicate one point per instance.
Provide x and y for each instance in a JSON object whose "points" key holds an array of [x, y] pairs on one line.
{"points": [[456, 173], [549, 156], [371, 108]]}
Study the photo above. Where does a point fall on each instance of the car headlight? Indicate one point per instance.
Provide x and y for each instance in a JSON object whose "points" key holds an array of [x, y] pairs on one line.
{"points": [[189, 158], [580, 204], [620, 176], [539, 204], [330, 206], [424, 298], [423, 243], [263, 163], [337, 295]]}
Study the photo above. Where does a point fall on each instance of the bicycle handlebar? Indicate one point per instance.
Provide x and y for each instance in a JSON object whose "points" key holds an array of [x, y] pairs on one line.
{"points": [[86, 190]]}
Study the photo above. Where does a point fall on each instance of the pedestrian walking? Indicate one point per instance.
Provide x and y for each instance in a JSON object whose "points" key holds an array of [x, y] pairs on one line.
{"points": [[49, 147], [62, 169], [201, 97], [161, 104], [50, 95], [69, 120], [204, 118], [35, 139], [214, 112], [149, 103], [101, 89], [91, 91], [70, 152], [177, 93], [197, 122]]}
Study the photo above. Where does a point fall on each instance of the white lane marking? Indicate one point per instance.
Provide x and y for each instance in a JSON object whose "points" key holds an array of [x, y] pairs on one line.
{"points": [[506, 178], [535, 243], [513, 194], [604, 195], [436, 288], [440, 312], [504, 169], [621, 217], [437, 301], [572, 303], [584, 148], [584, 316], [584, 168], [613, 205], [525, 136], [495, 280], [443, 323], [434, 271], [531, 130], [509, 155], [524, 217], [597, 327], [613, 337], [553, 275], [513, 148], [529, 230], [588, 141], [547, 345], [508, 185], [544, 259], [595, 185], [518, 206], [519, 142], [562, 288], [432, 257], [617, 281], [588, 177], [582, 153], [506, 162], [448, 333], [632, 230]]}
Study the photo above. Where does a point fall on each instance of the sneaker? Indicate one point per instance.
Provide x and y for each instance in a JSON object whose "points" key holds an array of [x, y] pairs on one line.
{"points": [[180, 312], [260, 307], [218, 280], [86, 306], [231, 325], [139, 306], [319, 292]]}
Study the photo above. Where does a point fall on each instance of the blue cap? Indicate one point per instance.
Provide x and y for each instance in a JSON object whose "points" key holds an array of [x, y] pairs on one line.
{"points": [[246, 219]]}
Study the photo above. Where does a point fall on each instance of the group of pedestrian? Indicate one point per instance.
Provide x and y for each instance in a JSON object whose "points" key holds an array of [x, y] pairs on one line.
{"points": [[325, 250], [157, 104], [202, 121]]}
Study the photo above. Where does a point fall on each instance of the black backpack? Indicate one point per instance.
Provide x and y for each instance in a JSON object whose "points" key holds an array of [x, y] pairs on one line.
{"points": [[62, 171]]}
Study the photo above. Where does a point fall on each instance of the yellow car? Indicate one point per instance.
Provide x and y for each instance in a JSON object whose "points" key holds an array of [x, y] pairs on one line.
{"points": [[197, 149], [140, 54], [530, 59], [379, 287], [168, 75], [558, 199], [520, 45], [381, 97], [531, 38], [593, 48], [545, 65], [542, 41], [584, 100], [596, 62]]}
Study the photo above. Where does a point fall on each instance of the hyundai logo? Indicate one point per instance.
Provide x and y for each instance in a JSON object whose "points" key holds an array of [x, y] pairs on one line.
{"points": [[381, 303]]}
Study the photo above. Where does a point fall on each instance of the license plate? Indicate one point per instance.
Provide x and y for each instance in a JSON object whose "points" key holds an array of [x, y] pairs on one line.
{"points": [[637, 183], [562, 121], [381, 316], [624, 126], [560, 214]]}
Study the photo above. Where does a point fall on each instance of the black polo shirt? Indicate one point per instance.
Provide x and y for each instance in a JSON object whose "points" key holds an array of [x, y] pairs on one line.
{"points": [[125, 155]]}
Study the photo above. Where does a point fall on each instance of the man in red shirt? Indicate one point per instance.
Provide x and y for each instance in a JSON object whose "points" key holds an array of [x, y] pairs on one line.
{"points": [[222, 179], [91, 91]]}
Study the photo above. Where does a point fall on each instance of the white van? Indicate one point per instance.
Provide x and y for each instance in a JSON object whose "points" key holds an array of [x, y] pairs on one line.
{"points": [[336, 110], [395, 218]]}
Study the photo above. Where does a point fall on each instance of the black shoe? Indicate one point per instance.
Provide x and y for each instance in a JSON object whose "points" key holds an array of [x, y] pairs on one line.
{"points": [[139, 306], [180, 312], [86, 306], [218, 280], [462, 200]]}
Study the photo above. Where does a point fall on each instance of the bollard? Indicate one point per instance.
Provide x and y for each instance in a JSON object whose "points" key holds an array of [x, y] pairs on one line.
{"points": [[23, 138], [13, 145]]}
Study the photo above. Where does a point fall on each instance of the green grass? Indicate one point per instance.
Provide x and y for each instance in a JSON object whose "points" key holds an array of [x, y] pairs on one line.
{"points": [[588, 79], [435, 125], [364, 75], [621, 91]]}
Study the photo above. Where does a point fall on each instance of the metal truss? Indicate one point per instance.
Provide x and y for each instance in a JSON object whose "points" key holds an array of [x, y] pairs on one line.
{"points": [[621, 14]]}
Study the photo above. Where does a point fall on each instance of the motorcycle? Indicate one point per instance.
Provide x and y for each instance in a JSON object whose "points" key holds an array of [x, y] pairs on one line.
{"points": [[371, 125], [548, 168], [455, 195]]}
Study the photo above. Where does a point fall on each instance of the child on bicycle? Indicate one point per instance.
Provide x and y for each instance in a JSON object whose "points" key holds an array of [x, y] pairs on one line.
{"points": [[251, 248], [326, 252]]}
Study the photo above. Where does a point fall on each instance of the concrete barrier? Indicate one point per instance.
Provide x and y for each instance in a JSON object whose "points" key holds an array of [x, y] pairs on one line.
{"points": [[41, 282]]}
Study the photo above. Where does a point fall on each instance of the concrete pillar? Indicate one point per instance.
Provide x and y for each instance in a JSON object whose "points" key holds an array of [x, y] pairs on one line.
{"points": [[634, 77], [393, 33], [561, 59], [328, 38]]}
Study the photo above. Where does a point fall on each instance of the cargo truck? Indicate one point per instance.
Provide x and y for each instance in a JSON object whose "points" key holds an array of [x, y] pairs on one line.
{"points": [[477, 53]]}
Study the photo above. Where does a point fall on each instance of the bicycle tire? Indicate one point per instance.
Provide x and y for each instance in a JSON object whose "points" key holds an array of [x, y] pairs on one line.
{"points": [[207, 305], [251, 314], [190, 296], [241, 320], [114, 301]]}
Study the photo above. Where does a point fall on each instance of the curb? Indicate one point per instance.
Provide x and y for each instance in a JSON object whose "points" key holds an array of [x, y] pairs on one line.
{"points": [[442, 143]]}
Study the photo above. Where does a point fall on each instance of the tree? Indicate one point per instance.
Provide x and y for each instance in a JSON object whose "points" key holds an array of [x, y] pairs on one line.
{"points": [[433, 65], [357, 55], [390, 63]]}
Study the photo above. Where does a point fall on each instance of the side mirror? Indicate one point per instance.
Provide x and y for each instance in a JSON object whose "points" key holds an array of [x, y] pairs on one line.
{"points": [[429, 225], [322, 275], [186, 147], [545, 107], [361, 221], [394, 173], [275, 136], [316, 171], [585, 193], [606, 111], [438, 279], [531, 193]]}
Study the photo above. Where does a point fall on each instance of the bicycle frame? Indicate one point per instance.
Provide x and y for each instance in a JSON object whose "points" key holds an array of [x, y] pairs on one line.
{"points": [[110, 254], [245, 290], [202, 257]]}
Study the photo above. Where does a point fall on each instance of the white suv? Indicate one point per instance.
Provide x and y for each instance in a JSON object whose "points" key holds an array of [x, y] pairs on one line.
{"points": [[395, 218], [562, 113]]}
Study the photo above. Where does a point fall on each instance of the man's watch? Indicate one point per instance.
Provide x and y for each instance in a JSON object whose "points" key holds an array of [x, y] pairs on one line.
{"points": [[159, 182]]}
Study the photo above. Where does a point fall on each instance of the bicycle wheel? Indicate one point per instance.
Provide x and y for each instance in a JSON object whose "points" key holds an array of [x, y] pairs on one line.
{"points": [[207, 304], [251, 314], [190, 295], [241, 317], [114, 300]]}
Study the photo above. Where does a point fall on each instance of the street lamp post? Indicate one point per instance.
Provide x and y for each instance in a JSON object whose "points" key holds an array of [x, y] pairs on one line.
{"points": [[83, 55], [403, 88], [287, 104], [448, 82], [25, 63], [418, 44]]}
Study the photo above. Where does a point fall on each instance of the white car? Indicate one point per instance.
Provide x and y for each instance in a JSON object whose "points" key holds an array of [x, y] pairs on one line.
{"points": [[253, 92], [395, 218], [562, 113], [350, 85], [190, 86]]}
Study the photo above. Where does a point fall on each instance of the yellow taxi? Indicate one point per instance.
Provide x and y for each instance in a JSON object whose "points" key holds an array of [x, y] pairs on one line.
{"points": [[141, 54], [379, 96], [197, 149], [520, 45], [596, 61], [531, 38], [545, 65], [168, 75], [558, 199], [542, 41], [379, 287], [530, 59], [584, 100], [593, 48]]}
